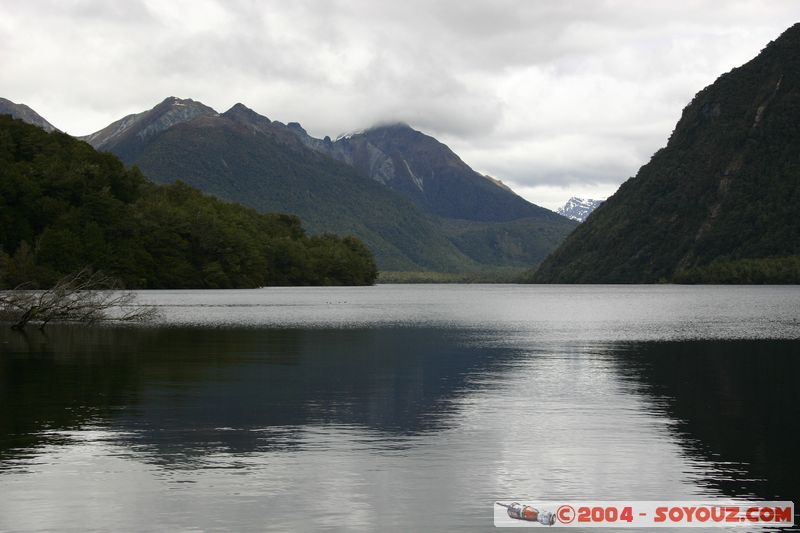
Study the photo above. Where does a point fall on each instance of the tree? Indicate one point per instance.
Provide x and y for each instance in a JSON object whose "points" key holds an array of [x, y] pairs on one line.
{"points": [[86, 297]]}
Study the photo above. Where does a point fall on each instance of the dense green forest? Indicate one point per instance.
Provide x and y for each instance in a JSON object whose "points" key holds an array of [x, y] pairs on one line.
{"points": [[64, 206], [719, 203], [772, 270]]}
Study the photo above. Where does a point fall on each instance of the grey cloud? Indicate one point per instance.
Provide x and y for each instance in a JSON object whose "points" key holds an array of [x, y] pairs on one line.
{"points": [[566, 93], [128, 12]]}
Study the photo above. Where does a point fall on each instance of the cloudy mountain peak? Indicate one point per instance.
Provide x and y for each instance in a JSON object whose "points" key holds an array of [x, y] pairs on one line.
{"points": [[392, 125], [382, 128], [425, 171]]}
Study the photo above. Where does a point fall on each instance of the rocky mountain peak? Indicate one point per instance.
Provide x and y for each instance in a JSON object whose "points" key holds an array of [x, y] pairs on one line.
{"points": [[297, 128], [578, 208], [144, 125], [241, 114]]}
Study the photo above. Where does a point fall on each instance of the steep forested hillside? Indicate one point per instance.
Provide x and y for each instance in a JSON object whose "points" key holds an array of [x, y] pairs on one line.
{"points": [[64, 206], [719, 202]]}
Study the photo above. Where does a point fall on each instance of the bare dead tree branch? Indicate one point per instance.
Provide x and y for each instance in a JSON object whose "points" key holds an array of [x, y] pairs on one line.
{"points": [[85, 296]]}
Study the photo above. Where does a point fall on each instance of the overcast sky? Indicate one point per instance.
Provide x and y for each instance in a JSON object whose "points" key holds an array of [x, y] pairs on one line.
{"points": [[556, 98]]}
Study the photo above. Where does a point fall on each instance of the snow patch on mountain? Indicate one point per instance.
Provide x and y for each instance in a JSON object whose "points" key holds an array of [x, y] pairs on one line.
{"points": [[579, 208]]}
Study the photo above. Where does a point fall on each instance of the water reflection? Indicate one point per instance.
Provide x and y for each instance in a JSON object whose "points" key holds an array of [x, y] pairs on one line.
{"points": [[377, 427], [735, 403], [191, 389]]}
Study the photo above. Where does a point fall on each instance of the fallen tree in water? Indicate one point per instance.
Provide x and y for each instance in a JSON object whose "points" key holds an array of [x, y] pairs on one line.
{"points": [[84, 297]]}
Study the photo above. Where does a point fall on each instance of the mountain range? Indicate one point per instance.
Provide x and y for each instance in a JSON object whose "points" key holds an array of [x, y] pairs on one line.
{"points": [[425, 171], [414, 202], [718, 203]]}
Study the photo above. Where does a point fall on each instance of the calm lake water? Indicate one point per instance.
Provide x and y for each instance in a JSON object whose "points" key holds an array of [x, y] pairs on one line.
{"points": [[403, 408]]}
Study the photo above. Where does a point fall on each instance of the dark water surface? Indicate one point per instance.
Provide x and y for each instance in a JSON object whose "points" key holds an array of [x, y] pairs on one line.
{"points": [[398, 407]]}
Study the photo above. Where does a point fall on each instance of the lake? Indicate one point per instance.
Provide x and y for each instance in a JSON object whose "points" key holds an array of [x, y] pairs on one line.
{"points": [[398, 407]]}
